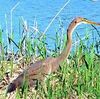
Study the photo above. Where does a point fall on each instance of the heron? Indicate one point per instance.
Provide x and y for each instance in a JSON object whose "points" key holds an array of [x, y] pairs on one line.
{"points": [[41, 68]]}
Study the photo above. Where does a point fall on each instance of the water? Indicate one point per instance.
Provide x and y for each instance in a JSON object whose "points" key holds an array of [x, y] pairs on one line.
{"points": [[44, 10]]}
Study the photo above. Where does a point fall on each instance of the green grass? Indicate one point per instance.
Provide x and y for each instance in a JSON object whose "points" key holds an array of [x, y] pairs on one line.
{"points": [[80, 78]]}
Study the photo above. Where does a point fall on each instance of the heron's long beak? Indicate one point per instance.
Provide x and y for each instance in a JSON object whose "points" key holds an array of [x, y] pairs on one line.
{"points": [[90, 22]]}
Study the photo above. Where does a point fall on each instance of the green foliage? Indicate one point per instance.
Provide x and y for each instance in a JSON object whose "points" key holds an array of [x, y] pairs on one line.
{"points": [[80, 78]]}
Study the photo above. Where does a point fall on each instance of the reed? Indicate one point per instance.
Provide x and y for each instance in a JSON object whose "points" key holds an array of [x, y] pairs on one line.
{"points": [[80, 78]]}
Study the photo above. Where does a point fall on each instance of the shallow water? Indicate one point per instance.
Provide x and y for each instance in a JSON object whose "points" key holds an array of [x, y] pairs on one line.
{"points": [[44, 10]]}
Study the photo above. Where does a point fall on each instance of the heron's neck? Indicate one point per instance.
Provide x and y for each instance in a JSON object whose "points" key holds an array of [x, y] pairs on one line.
{"points": [[65, 53]]}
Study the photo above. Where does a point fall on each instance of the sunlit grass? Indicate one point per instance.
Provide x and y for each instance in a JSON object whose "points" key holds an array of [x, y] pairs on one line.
{"points": [[78, 79]]}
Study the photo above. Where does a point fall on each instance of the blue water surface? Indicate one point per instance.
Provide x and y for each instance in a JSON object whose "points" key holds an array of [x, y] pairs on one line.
{"points": [[43, 12]]}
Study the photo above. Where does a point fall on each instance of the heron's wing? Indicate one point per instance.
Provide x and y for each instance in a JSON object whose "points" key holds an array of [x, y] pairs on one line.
{"points": [[39, 69], [34, 69]]}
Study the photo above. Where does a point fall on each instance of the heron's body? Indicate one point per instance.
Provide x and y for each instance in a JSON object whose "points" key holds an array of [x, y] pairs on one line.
{"points": [[36, 71], [39, 70]]}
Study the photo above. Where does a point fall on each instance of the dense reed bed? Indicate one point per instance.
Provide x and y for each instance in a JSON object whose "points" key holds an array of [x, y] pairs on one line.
{"points": [[78, 76]]}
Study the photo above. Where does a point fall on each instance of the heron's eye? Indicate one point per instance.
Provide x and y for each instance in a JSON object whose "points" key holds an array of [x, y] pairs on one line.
{"points": [[75, 21]]}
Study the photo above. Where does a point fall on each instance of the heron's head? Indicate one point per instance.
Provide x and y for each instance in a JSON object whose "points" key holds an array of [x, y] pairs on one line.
{"points": [[79, 20]]}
